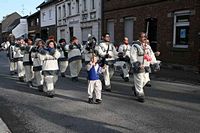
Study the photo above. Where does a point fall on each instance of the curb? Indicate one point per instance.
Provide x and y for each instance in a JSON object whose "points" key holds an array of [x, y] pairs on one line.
{"points": [[3, 127]]}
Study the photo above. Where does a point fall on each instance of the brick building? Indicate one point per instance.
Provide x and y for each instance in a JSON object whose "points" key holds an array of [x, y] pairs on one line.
{"points": [[34, 25], [172, 26]]}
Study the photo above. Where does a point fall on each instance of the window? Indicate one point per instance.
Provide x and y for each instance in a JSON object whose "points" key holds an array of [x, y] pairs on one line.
{"points": [[37, 21], [77, 6], [181, 29], [92, 5], [50, 14], [62, 33], [64, 11], [84, 5], [69, 9], [43, 16], [59, 12], [110, 29], [128, 28], [85, 33], [32, 23]]}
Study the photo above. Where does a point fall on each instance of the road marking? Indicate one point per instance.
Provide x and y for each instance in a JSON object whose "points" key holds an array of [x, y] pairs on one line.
{"points": [[3, 127]]}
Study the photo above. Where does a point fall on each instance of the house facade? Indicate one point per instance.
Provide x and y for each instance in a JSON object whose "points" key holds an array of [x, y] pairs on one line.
{"points": [[20, 28], [34, 25], [172, 26], [7, 22], [48, 19], [78, 18]]}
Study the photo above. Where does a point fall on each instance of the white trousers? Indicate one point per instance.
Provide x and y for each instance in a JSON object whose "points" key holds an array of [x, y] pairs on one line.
{"points": [[125, 67], [147, 77], [75, 68], [109, 72], [20, 69], [140, 79], [63, 66], [49, 82], [13, 66], [39, 78], [28, 73], [94, 86]]}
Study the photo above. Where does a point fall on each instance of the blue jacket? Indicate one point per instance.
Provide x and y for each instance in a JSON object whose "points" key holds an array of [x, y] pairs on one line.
{"points": [[93, 74]]}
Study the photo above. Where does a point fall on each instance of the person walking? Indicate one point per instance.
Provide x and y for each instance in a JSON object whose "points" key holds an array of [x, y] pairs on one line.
{"points": [[75, 58]]}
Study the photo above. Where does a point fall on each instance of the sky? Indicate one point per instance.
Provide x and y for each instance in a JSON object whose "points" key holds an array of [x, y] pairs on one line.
{"points": [[23, 7]]}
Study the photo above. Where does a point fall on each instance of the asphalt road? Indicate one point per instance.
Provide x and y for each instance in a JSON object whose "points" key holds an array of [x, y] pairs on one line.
{"points": [[169, 107]]}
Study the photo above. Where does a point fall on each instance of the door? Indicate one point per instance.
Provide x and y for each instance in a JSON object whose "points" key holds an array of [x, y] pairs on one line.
{"points": [[128, 29], [71, 32], [110, 29], [85, 32], [151, 30]]}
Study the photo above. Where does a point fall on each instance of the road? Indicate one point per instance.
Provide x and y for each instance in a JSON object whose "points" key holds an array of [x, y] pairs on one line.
{"points": [[169, 107]]}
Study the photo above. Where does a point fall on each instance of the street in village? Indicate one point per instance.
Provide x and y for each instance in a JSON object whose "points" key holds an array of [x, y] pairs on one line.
{"points": [[169, 107]]}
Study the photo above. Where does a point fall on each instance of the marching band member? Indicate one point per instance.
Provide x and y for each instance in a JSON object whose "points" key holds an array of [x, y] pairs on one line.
{"points": [[124, 59], [63, 60], [37, 63], [19, 50], [50, 68], [75, 58], [28, 63], [108, 54], [11, 54], [141, 57]]}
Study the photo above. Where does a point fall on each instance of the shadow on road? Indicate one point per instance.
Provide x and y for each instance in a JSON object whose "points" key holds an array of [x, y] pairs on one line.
{"points": [[76, 124]]}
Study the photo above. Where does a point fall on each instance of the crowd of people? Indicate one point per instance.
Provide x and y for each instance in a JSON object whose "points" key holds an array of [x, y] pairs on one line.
{"points": [[39, 63]]}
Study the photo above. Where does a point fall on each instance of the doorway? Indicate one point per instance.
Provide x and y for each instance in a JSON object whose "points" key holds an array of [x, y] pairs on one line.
{"points": [[151, 30]]}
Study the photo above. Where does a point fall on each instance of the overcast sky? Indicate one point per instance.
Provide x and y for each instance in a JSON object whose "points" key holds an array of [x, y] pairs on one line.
{"points": [[23, 7]]}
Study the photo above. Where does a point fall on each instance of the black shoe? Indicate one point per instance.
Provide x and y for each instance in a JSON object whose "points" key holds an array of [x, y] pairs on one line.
{"points": [[126, 79], [40, 88], [29, 83], [108, 90], [21, 79], [50, 94], [122, 75], [90, 101], [148, 84], [63, 75], [134, 91], [74, 79], [12, 73], [98, 101], [141, 99]]}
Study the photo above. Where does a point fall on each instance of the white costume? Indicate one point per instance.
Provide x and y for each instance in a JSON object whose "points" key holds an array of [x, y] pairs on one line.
{"points": [[108, 52], [63, 60], [28, 64], [141, 54], [11, 54], [19, 58], [75, 60], [124, 60], [50, 70], [37, 68]]}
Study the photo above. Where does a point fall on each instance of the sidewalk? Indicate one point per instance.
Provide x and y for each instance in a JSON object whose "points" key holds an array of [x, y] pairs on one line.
{"points": [[3, 127], [173, 75]]}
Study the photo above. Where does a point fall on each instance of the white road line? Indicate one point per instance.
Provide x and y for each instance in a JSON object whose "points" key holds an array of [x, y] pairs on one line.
{"points": [[3, 127]]}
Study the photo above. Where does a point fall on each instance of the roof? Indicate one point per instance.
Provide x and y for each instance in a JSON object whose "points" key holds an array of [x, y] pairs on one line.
{"points": [[13, 25], [45, 3], [36, 13]]}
